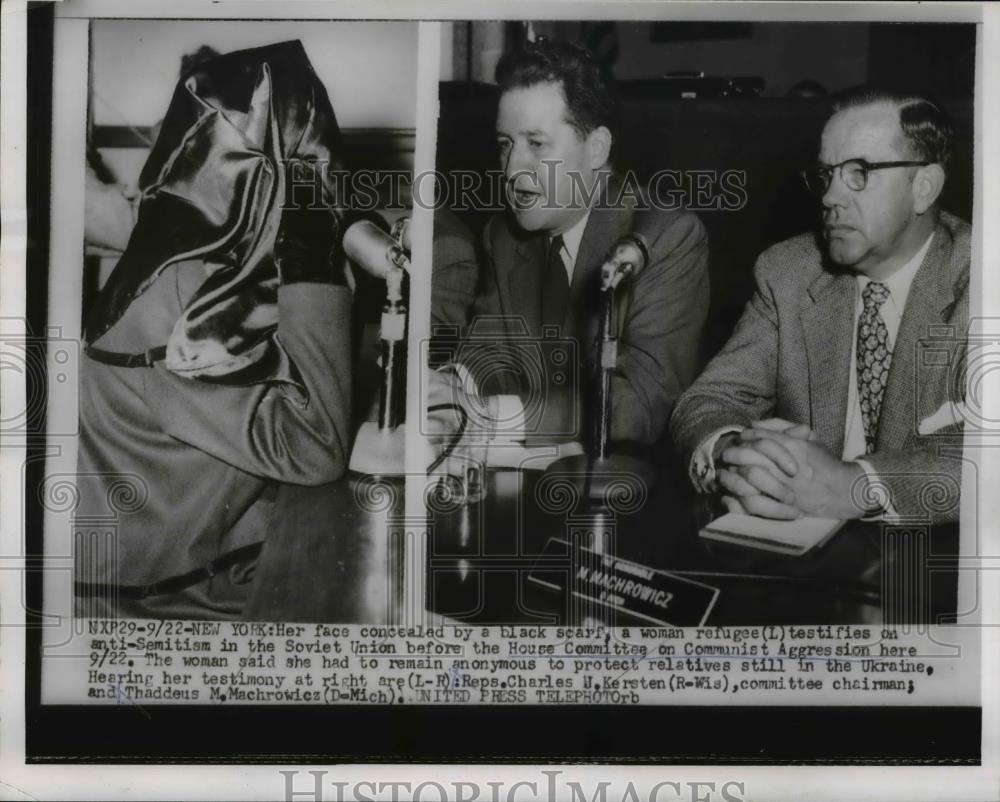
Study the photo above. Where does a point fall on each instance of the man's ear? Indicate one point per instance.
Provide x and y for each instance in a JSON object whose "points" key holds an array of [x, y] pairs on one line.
{"points": [[599, 145], [927, 186]]}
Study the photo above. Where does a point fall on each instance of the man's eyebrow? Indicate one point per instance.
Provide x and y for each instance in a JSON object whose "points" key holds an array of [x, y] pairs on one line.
{"points": [[822, 163], [527, 132]]}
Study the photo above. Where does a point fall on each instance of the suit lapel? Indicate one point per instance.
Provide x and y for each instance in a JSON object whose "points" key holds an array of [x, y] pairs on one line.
{"points": [[607, 223], [581, 311], [524, 286], [828, 330], [931, 295]]}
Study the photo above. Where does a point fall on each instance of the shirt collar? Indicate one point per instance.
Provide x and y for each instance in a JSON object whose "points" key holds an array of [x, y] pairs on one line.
{"points": [[899, 282]]}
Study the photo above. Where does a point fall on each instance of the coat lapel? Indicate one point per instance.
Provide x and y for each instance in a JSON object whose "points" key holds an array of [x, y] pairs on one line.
{"points": [[584, 301], [931, 295], [524, 301], [828, 330]]}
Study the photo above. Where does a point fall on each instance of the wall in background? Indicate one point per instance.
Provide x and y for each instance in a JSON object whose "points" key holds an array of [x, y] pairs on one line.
{"points": [[836, 56], [783, 54], [934, 58], [943, 60], [369, 69]]}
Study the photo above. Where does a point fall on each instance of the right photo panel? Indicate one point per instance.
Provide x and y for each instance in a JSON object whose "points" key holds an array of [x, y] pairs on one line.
{"points": [[697, 376]]}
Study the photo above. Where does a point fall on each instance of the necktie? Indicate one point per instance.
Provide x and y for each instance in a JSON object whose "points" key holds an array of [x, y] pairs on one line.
{"points": [[555, 286], [873, 357]]}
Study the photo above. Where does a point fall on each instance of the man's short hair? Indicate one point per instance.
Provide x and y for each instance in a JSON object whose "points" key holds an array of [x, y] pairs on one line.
{"points": [[926, 127], [589, 98]]}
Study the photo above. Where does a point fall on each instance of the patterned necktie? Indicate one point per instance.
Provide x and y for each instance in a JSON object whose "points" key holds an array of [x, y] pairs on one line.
{"points": [[555, 286], [874, 356]]}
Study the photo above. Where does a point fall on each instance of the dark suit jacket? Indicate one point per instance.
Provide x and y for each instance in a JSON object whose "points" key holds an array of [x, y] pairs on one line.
{"points": [[659, 319], [454, 273], [790, 357]]}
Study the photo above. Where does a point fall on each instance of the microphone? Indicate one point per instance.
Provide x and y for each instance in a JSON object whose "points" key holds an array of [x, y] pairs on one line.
{"points": [[597, 471], [379, 445], [374, 251], [626, 258]]}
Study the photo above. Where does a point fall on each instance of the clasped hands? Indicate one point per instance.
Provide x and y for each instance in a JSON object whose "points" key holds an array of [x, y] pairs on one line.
{"points": [[777, 469]]}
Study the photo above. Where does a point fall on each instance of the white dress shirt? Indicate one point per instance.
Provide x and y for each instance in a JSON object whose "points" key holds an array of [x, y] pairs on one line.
{"points": [[571, 244], [702, 467]]}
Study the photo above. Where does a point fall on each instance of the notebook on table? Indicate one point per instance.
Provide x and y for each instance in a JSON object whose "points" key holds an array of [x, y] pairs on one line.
{"points": [[785, 537]]}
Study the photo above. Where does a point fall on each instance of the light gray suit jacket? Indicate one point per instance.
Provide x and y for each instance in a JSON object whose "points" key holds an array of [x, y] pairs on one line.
{"points": [[790, 357]]}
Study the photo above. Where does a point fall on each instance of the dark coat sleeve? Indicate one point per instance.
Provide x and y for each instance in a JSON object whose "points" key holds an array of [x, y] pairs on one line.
{"points": [[487, 300], [485, 343], [455, 271]]}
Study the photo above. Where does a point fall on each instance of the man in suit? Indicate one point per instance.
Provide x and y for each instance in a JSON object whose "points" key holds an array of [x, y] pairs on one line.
{"points": [[836, 394], [541, 276]]}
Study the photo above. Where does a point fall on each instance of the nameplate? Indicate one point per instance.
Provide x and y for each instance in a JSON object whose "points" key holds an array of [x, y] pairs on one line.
{"points": [[630, 588]]}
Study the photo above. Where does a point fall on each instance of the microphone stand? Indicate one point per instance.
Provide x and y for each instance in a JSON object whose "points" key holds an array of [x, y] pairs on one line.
{"points": [[605, 481], [607, 361], [596, 473], [380, 446]]}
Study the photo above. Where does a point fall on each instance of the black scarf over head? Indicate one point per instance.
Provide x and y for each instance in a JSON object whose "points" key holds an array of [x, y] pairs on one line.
{"points": [[213, 188]]}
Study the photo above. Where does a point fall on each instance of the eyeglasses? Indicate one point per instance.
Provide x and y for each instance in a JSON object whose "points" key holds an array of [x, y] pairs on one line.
{"points": [[853, 172]]}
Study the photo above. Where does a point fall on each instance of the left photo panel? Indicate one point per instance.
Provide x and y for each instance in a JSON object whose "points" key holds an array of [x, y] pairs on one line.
{"points": [[236, 276]]}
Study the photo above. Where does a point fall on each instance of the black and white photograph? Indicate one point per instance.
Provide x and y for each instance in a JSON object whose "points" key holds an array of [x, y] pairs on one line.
{"points": [[692, 329], [562, 400]]}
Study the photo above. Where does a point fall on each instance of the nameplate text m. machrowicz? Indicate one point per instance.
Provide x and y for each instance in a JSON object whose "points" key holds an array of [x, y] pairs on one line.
{"points": [[634, 591]]}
